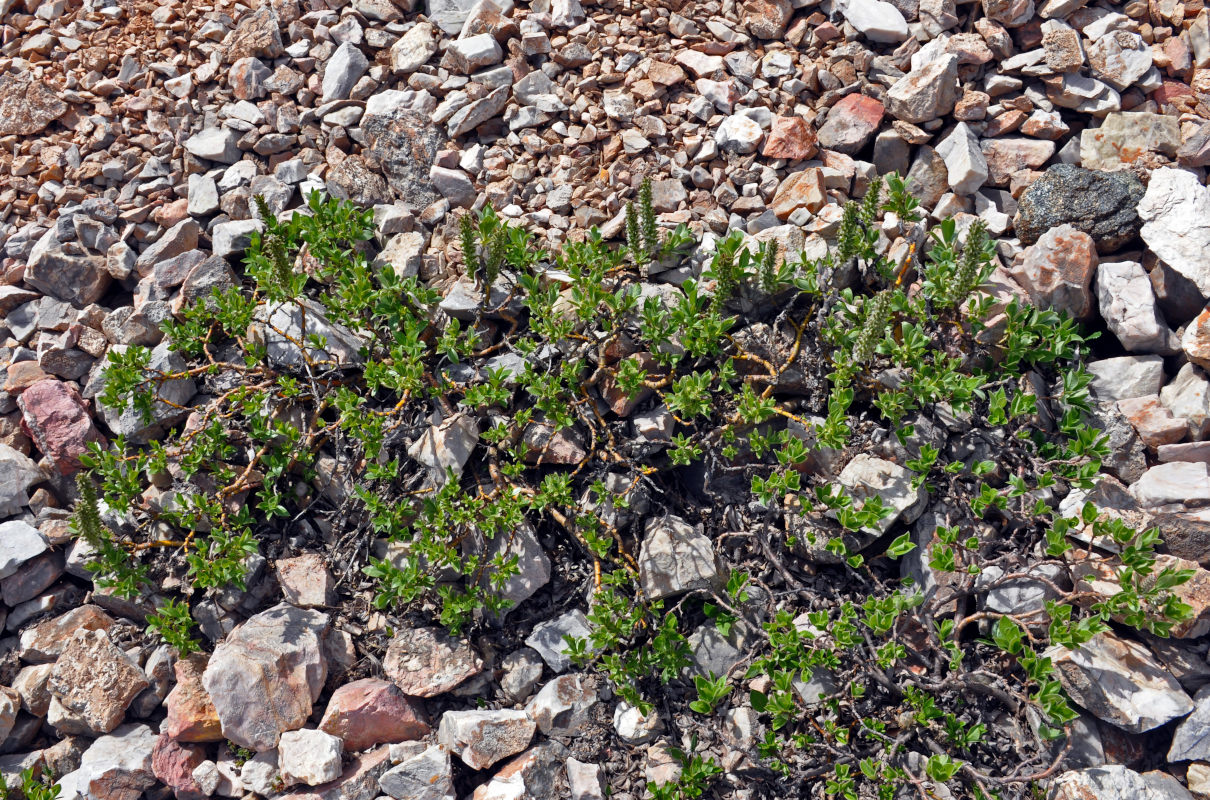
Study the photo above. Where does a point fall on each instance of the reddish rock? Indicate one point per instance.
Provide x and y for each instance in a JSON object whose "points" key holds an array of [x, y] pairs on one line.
{"points": [[767, 19], [1153, 420], [173, 764], [1008, 156], [1058, 270], [425, 662], [851, 123], [306, 581], [27, 105], [44, 642], [191, 714], [803, 189], [790, 138], [257, 35], [23, 375], [92, 685], [59, 422], [372, 711]]}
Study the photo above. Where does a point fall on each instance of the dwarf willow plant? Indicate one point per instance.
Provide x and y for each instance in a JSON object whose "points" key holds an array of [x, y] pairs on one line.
{"points": [[865, 688]]}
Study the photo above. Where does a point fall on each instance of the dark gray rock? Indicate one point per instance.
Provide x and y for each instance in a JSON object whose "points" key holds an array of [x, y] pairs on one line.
{"points": [[1102, 204], [404, 145]]}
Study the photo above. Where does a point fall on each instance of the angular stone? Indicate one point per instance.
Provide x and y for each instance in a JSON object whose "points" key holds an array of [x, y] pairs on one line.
{"points": [[372, 711], [60, 422], [1101, 204], [925, 93], [1120, 58], [475, 114], [173, 763], [191, 714], [1154, 422], [283, 326], [562, 706], [310, 757], [425, 662], [44, 642], [27, 105], [426, 776], [878, 20], [169, 407], [92, 684], [1116, 782], [1057, 271], [1176, 223], [268, 672], [257, 35], [963, 160], [358, 781], [481, 738], [536, 773], [1129, 309], [1008, 156], [470, 53], [20, 543], [306, 581], [1009, 13], [675, 558], [738, 134], [851, 123], [549, 638], [413, 50], [766, 19], [343, 70], [802, 189], [791, 138], [214, 144], [1127, 138], [114, 767], [1175, 482], [1120, 682]]}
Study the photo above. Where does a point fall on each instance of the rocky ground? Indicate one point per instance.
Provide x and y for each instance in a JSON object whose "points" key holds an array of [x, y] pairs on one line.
{"points": [[134, 135]]}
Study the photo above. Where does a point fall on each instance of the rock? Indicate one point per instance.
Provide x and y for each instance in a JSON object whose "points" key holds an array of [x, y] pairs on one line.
{"points": [[233, 238], [1191, 739], [1175, 212], [533, 565], [766, 19], [265, 676], [675, 558], [475, 114], [454, 185], [536, 774], [27, 105], [173, 764], [1127, 138], [1116, 782], [1061, 42], [851, 123], [562, 706], [865, 476], [549, 638], [169, 408], [878, 20], [44, 642], [114, 767], [481, 738], [1009, 13], [449, 14], [413, 50], [257, 35], [447, 446], [306, 581], [358, 781], [1155, 424], [635, 727], [802, 189], [19, 544], [370, 712], [1129, 308], [67, 271], [470, 53], [180, 238], [1188, 396], [925, 93], [426, 776], [1176, 482], [1100, 204], [343, 70], [1120, 58], [963, 159], [214, 144], [281, 326], [191, 714], [1126, 376], [1196, 341], [1120, 682], [791, 138], [738, 134], [1007, 156], [584, 780], [92, 684], [425, 662], [310, 757], [59, 421], [1057, 271], [18, 473]]}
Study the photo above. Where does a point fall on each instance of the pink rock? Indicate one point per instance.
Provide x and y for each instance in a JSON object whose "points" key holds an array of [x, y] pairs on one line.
{"points": [[803, 189], [1057, 271], [767, 19], [1008, 156], [1154, 422], [306, 581], [173, 764], [790, 138], [426, 662], [372, 711], [191, 714], [59, 422], [851, 123]]}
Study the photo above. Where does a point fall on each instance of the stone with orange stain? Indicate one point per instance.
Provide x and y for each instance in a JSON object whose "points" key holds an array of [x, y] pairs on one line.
{"points": [[1126, 138], [1057, 271], [191, 714], [803, 189], [790, 138]]}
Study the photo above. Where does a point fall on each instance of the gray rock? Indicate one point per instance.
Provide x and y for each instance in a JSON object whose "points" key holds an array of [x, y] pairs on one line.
{"points": [[92, 685], [66, 270], [1188, 396], [19, 543], [18, 473], [233, 238], [1129, 308], [1125, 377], [310, 757], [215, 144], [281, 326], [1102, 204], [413, 50], [426, 776], [522, 670], [120, 761], [1175, 212], [481, 738], [533, 565], [404, 253], [455, 185], [1191, 739], [264, 678], [169, 408], [1120, 682], [447, 446], [343, 70], [475, 114], [470, 53], [405, 144], [562, 706], [549, 638], [1116, 782], [676, 558], [1175, 482], [449, 14], [425, 662], [925, 93]]}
